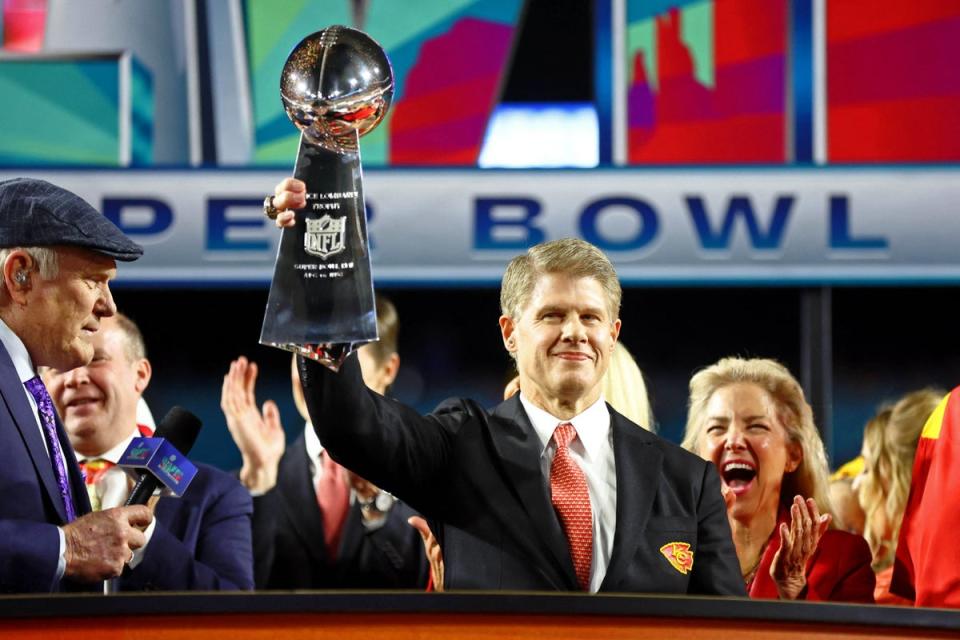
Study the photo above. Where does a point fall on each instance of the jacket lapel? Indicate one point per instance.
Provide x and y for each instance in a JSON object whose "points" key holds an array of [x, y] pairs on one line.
{"points": [[13, 396], [351, 537], [300, 499], [519, 448], [638, 473]]}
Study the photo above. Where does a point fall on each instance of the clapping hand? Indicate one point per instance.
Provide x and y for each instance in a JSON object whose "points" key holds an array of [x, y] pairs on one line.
{"points": [[432, 549], [798, 543], [257, 433]]}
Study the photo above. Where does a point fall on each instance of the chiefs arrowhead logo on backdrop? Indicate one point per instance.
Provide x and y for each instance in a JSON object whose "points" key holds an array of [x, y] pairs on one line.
{"points": [[679, 555]]}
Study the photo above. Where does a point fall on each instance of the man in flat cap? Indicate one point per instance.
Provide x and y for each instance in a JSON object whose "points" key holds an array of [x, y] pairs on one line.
{"points": [[57, 257]]}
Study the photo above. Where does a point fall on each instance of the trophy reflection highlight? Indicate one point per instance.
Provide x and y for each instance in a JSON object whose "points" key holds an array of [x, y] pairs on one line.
{"points": [[336, 86], [335, 83]]}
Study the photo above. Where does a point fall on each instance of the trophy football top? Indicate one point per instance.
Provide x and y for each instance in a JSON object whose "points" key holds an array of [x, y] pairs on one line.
{"points": [[335, 82]]}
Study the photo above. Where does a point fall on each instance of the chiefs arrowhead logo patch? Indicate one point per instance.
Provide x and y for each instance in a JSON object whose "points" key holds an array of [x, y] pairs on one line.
{"points": [[679, 556]]}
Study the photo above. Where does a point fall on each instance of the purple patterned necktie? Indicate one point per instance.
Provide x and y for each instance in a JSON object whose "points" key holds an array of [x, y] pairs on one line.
{"points": [[45, 404]]}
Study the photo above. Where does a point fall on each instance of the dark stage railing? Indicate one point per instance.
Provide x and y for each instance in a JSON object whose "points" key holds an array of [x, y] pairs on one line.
{"points": [[399, 615]]}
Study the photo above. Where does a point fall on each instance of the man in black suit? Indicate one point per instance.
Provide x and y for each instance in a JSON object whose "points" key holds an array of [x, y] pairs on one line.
{"points": [[552, 489], [298, 542]]}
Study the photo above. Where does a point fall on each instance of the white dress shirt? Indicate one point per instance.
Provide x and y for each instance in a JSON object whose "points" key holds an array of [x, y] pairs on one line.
{"points": [[592, 450], [112, 487], [25, 371], [314, 451]]}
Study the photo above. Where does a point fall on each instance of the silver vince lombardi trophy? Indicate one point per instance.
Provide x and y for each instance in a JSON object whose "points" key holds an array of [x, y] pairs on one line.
{"points": [[336, 86]]}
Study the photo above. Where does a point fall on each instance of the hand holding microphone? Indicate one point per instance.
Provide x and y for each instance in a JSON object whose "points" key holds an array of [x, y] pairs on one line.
{"points": [[161, 460], [99, 544]]}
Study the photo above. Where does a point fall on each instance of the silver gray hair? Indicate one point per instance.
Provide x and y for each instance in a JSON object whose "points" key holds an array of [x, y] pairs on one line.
{"points": [[46, 259]]}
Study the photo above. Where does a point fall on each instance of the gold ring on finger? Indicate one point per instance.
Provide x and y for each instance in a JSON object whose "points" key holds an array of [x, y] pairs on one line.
{"points": [[268, 209]]}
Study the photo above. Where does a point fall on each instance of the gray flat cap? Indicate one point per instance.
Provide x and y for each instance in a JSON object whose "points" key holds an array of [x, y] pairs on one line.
{"points": [[35, 213]]}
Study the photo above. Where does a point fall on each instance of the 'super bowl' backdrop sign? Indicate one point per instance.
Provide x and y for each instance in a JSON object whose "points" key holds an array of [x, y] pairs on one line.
{"points": [[436, 227], [700, 83]]}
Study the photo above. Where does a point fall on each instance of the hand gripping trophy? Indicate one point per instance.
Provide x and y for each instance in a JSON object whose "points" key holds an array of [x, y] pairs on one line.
{"points": [[336, 86]]}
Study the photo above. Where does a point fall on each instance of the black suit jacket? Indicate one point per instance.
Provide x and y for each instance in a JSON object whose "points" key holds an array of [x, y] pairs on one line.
{"points": [[476, 475], [289, 552]]}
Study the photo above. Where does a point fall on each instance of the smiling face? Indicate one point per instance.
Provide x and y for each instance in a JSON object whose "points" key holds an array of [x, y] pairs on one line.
{"points": [[562, 340], [745, 438], [98, 402], [65, 311]]}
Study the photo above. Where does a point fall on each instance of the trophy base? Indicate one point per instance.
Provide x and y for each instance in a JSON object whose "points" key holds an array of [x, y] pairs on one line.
{"points": [[329, 354]]}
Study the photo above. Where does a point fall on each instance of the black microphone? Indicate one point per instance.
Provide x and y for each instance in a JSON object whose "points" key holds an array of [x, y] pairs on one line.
{"points": [[180, 428]]}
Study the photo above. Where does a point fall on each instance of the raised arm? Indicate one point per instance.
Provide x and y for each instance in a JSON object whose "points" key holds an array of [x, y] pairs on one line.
{"points": [[378, 438]]}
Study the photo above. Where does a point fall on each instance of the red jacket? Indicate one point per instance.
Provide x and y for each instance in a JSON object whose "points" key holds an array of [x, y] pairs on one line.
{"points": [[839, 570], [927, 566]]}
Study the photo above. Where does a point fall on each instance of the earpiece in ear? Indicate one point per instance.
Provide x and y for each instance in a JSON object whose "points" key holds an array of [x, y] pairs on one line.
{"points": [[20, 277]]}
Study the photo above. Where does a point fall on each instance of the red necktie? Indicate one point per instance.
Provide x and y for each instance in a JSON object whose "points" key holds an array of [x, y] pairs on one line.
{"points": [[571, 501], [333, 496]]}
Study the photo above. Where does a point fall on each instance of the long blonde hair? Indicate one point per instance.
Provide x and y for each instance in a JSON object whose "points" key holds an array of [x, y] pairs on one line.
{"points": [[811, 477], [890, 444], [624, 388]]}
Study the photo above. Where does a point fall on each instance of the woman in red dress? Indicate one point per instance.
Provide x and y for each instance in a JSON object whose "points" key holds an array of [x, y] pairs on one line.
{"points": [[751, 419]]}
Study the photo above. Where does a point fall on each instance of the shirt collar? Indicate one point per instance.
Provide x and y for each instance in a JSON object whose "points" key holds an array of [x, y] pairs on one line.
{"points": [[113, 455], [592, 425], [314, 448], [17, 352]]}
